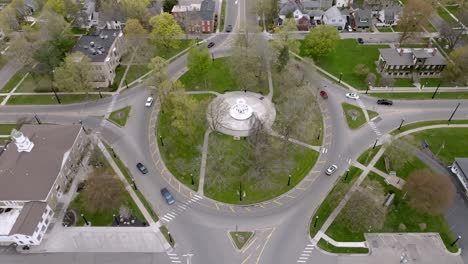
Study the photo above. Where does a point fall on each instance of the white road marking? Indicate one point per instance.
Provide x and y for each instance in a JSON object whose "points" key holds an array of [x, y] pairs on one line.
{"points": [[324, 150], [171, 254], [301, 261]]}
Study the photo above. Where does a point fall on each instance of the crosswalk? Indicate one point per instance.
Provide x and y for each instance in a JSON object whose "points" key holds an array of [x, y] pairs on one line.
{"points": [[324, 150], [305, 254], [174, 258], [180, 208], [374, 128]]}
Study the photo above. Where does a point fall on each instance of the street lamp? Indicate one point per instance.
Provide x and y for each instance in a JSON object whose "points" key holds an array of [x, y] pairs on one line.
{"points": [[37, 118], [315, 222], [368, 87], [289, 180], [341, 75], [56, 95], [100, 95], [346, 176], [240, 191], [134, 184], [84, 218], [375, 144], [191, 176], [401, 124], [456, 240], [438, 85], [320, 131], [126, 84], [116, 219], [170, 237], [161, 140], [454, 111]]}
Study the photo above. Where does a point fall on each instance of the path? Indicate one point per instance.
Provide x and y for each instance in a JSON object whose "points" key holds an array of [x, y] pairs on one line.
{"points": [[124, 76], [14, 89], [201, 182]]}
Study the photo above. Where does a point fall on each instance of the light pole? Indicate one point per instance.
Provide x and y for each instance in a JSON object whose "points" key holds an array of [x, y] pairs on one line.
{"points": [[240, 191], [134, 184], [346, 176], [170, 237], [368, 87], [401, 124], [37, 118], [289, 180], [126, 84], [191, 176], [454, 111], [315, 222], [341, 75], [212, 56], [375, 144], [320, 132], [85, 220], [161, 140], [456, 240], [81, 123], [56, 95], [438, 85], [100, 95], [116, 220]]}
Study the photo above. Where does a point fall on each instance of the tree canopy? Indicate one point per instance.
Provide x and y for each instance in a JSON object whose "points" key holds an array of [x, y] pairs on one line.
{"points": [[75, 73], [321, 41], [165, 30], [457, 71]]}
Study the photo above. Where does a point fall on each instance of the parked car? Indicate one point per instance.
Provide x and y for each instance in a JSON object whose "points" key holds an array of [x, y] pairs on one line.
{"points": [[167, 195], [350, 29], [360, 41], [331, 169], [384, 102], [142, 168], [229, 28], [149, 101], [211, 44], [352, 96], [323, 94]]}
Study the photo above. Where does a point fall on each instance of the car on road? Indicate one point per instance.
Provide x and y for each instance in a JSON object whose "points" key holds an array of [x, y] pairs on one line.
{"points": [[229, 28], [352, 96], [331, 169], [211, 44], [323, 94], [167, 195], [142, 168], [360, 41], [149, 101], [384, 102]]}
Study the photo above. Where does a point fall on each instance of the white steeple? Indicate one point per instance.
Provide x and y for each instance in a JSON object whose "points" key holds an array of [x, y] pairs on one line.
{"points": [[22, 143]]}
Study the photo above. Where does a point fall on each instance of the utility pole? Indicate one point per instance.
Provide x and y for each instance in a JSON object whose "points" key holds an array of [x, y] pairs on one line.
{"points": [[454, 111], [289, 180], [368, 87], [438, 85], [341, 75], [240, 191], [401, 124], [56, 95], [375, 144], [37, 118], [100, 95]]}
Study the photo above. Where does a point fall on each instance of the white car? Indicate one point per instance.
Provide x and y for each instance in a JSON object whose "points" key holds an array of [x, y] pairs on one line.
{"points": [[149, 101], [331, 169], [352, 96]]}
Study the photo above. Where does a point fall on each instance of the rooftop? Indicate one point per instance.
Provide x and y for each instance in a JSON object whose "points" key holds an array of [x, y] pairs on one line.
{"points": [[97, 46], [207, 9], [29, 217], [186, 8], [7, 220], [29, 176], [404, 56]]}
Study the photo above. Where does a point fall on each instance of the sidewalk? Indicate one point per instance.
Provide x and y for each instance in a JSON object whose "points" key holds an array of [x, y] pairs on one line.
{"points": [[414, 89]]}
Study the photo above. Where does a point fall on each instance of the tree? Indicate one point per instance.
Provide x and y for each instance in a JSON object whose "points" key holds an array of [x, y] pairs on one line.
{"points": [[103, 192], [56, 5], [370, 79], [75, 73], [134, 9], [199, 61], [361, 69], [458, 67], [451, 35], [285, 42], [165, 31], [397, 155], [185, 113], [167, 91], [321, 41], [169, 4], [51, 53], [22, 49], [217, 111], [413, 18], [267, 8], [135, 34], [8, 19], [429, 192], [157, 66]]}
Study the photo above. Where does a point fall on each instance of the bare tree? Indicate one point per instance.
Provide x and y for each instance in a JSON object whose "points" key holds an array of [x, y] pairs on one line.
{"points": [[217, 111], [451, 35], [397, 155], [413, 18], [430, 192]]}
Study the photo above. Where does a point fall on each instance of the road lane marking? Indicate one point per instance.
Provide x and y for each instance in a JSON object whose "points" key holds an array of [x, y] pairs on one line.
{"points": [[179, 186], [232, 209], [300, 188], [276, 202], [217, 206]]}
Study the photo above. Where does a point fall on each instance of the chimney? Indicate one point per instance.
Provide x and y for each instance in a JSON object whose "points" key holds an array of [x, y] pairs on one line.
{"points": [[22, 142], [434, 51]]}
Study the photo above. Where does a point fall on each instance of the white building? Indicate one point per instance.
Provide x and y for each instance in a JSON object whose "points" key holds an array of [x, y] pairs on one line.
{"points": [[333, 17], [34, 172], [460, 168]]}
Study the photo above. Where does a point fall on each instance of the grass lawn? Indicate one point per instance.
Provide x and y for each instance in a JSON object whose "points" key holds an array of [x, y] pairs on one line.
{"points": [[14, 80], [136, 71], [368, 155], [385, 29], [402, 82], [120, 116], [434, 82], [182, 155], [240, 238], [323, 244], [169, 53], [50, 99], [166, 233], [38, 83], [399, 217], [360, 119], [448, 143], [445, 15], [129, 179], [333, 198], [218, 78], [347, 55], [119, 71], [5, 129], [422, 95], [427, 123], [77, 30], [233, 161], [412, 164]]}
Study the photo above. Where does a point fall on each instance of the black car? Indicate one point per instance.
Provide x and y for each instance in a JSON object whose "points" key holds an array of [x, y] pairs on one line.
{"points": [[360, 41], [384, 102], [168, 196], [228, 28], [211, 44], [142, 168]]}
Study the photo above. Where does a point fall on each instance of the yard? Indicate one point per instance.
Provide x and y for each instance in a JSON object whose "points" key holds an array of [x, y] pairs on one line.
{"points": [[119, 71], [347, 55], [5, 129], [399, 217], [120, 116], [36, 83], [14, 80], [355, 116], [368, 155], [445, 15], [411, 165], [136, 71]]}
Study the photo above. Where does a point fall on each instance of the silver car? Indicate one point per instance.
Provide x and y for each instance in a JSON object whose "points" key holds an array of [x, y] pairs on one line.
{"points": [[331, 169]]}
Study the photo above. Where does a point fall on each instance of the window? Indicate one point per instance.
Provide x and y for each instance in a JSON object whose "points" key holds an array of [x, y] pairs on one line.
{"points": [[46, 221], [43, 228], [333, 20], [37, 229], [21, 242], [50, 212], [39, 237], [31, 242]]}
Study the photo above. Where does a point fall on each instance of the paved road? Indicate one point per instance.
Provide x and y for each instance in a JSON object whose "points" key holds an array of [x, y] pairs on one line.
{"points": [[7, 71]]}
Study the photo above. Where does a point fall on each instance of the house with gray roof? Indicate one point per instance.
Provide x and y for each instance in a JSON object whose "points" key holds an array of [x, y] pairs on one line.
{"points": [[460, 169], [406, 62], [334, 17], [35, 169], [308, 5], [207, 12], [104, 48], [363, 19]]}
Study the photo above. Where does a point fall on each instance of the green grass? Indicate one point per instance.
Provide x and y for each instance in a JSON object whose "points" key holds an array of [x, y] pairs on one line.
{"points": [[119, 72], [434, 82], [77, 30], [120, 116], [398, 213], [5, 129], [445, 15], [288, 159], [129, 179], [427, 123], [333, 198], [402, 82], [3, 61], [368, 155], [411, 165], [385, 29], [453, 139], [360, 120], [38, 83], [422, 95], [340, 250], [347, 55], [182, 155], [135, 72], [169, 53], [50, 99], [218, 78], [238, 242], [14, 80], [223, 16], [165, 232]]}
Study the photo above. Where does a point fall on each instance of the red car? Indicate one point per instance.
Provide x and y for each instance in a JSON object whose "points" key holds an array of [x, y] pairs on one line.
{"points": [[323, 94]]}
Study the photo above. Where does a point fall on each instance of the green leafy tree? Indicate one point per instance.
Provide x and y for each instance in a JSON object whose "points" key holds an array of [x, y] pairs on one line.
{"points": [[135, 34], [169, 4], [157, 66], [165, 31], [321, 41], [457, 70], [75, 73], [8, 19], [56, 5], [199, 61], [285, 42], [134, 9]]}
